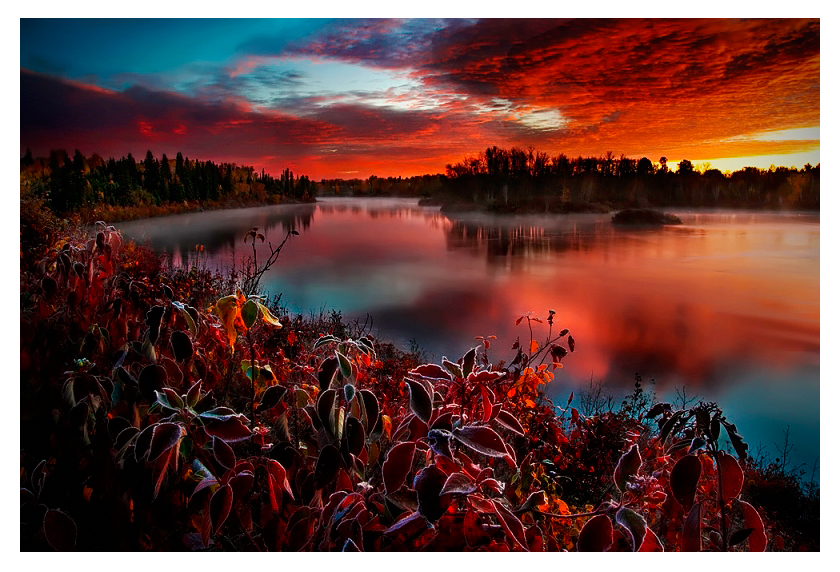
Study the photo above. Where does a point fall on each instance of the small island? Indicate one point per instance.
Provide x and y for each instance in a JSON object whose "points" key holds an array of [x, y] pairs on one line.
{"points": [[645, 217]]}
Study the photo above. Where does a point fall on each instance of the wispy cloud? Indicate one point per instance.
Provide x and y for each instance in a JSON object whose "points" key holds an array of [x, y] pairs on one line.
{"points": [[420, 91]]}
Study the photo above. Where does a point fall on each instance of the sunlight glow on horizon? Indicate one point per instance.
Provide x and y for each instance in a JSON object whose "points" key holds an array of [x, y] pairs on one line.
{"points": [[406, 97], [732, 164]]}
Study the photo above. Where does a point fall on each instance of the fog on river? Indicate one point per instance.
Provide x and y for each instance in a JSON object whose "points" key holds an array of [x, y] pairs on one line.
{"points": [[726, 304]]}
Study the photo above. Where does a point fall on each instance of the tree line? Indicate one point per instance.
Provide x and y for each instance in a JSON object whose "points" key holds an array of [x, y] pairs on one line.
{"points": [[72, 183], [518, 175]]}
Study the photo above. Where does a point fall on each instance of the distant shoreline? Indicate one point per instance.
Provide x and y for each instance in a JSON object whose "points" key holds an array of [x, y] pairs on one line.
{"points": [[115, 214]]}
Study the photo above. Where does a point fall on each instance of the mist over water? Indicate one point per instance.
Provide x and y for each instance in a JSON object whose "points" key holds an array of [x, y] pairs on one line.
{"points": [[726, 304]]}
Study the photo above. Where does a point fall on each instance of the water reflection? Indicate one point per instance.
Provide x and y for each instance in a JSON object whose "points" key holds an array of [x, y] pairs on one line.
{"points": [[726, 304], [220, 232]]}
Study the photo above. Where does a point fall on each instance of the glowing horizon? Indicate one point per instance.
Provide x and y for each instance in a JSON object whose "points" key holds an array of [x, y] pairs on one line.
{"points": [[405, 97]]}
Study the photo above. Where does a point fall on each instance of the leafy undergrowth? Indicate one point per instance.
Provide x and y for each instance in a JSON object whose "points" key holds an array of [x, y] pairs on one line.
{"points": [[159, 412]]}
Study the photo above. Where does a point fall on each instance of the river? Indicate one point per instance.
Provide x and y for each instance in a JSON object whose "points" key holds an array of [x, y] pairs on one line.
{"points": [[725, 306]]}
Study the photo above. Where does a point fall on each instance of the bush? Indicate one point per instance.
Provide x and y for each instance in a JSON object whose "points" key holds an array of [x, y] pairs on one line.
{"points": [[158, 413]]}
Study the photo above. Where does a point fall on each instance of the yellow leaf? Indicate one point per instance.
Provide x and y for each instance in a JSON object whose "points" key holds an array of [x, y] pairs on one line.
{"points": [[386, 426], [268, 317], [228, 310]]}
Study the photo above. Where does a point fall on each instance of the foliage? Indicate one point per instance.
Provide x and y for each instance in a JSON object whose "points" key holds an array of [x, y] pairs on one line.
{"points": [[124, 188], [154, 420], [511, 180]]}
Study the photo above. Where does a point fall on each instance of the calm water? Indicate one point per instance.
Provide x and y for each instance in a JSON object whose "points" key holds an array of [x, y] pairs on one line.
{"points": [[726, 305]]}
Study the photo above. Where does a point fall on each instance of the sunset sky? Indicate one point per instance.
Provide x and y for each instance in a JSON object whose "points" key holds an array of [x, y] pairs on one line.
{"points": [[354, 98]]}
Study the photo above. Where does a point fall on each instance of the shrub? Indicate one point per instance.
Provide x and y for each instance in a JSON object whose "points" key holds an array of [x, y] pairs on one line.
{"points": [[159, 413]]}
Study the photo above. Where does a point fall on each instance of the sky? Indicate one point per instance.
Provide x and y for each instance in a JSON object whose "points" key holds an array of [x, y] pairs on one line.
{"points": [[399, 97]]}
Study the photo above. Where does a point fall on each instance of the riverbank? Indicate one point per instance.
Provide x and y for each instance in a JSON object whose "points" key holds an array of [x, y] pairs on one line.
{"points": [[124, 418], [114, 213]]}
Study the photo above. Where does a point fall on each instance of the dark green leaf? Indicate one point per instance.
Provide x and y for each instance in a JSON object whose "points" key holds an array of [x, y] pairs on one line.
{"points": [[696, 444], [468, 362], [428, 484], [323, 340], [684, 478], [669, 424], [271, 397], [627, 467], [249, 313], [326, 469], [634, 523], [420, 401], [481, 439], [326, 372], [344, 364]]}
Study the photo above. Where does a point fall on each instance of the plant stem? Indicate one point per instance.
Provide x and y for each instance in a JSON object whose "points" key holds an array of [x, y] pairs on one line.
{"points": [[721, 500], [253, 379]]}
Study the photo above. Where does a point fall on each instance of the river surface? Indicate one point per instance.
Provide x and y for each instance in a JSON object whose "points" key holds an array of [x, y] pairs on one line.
{"points": [[726, 305]]}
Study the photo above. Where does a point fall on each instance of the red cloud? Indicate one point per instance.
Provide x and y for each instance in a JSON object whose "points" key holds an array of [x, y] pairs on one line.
{"points": [[678, 88]]}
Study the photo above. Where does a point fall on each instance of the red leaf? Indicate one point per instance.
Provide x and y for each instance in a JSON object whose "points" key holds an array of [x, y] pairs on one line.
{"points": [[485, 376], [223, 453], [220, 504], [458, 483], [206, 482], [507, 420], [431, 371], [627, 467], [596, 535], [758, 538], [160, 466], [512, 525], [651, 543], [408, 527], [241, 483], [397, 465], [486, 405], [481, 439], [732, 477], [60, 531], [474, 534], [194, 393], [230, 429], [684, 478], [691, 539], [535, 539]]}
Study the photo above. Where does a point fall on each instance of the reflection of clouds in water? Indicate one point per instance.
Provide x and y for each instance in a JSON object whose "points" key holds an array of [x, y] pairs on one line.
{"points": [[707, 304]]}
